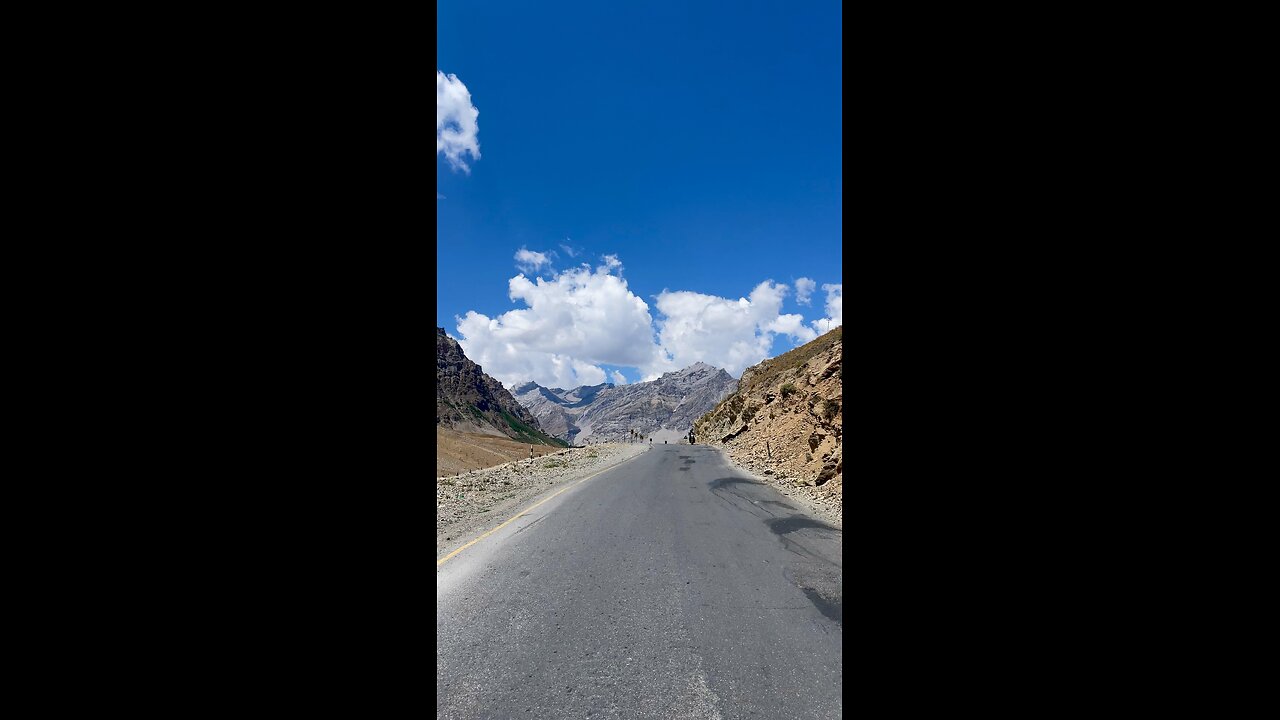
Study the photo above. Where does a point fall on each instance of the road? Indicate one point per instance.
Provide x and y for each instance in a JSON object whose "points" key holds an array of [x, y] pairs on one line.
{"points": [[671, 586]]}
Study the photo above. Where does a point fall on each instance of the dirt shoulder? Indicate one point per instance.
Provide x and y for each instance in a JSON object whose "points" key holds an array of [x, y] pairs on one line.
{"points": [[475, 501], [826, 501], [457, 452]]}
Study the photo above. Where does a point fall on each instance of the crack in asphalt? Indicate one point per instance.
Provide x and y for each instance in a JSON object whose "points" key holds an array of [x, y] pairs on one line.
{"points": [[526, 527]]}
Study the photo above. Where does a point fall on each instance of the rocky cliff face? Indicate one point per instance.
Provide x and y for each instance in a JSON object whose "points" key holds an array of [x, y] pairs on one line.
{"points": [[785, 420], [663, 409], [470, 401]]}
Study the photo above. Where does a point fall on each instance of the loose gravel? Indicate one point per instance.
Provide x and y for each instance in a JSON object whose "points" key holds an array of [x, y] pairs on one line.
{"points": [[470, 503], [827, 501]]}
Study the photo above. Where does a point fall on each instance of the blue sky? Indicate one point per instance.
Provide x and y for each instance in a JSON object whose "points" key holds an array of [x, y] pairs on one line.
{"points": [[697, 143]]}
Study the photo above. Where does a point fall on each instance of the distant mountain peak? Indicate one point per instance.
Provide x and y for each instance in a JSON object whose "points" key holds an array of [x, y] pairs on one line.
{"points": [[697, 367], [604, 412]]}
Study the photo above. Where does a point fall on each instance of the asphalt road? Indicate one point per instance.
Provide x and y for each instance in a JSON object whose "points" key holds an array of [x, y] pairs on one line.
{"points": [[671, 586]]}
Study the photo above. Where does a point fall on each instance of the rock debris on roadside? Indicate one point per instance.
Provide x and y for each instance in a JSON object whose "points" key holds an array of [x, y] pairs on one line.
{"points": [[477, 499]]}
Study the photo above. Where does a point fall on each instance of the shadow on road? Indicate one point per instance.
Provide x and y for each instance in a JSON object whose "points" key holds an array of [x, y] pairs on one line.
{"points": [[720, 483], [782, 526]]}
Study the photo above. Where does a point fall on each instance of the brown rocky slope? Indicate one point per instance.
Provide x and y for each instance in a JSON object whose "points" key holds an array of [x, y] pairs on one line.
{"points": [[785, 422], [468, 400]]}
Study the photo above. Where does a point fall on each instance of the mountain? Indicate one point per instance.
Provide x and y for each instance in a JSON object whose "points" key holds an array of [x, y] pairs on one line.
{"points": [[663, 409], [786, 418], [470, 401]]}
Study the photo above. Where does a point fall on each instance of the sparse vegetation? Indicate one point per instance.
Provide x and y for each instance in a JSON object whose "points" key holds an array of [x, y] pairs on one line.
{"points": [[466, 396], [829, 409], [794, 445], [528, 434], [459, 451]]}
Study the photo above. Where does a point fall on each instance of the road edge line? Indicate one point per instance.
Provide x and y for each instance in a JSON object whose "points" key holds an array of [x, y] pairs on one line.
{"points": [[524, 512]]}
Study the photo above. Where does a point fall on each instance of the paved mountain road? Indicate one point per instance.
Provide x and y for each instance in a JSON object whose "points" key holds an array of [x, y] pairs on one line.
{"points": [[671, 586]]}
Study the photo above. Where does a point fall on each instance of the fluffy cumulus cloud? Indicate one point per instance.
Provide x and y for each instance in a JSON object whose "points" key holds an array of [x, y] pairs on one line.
{"points": [[583, 318], [731, 334], [456, 128], [572, 323], [529, 261], [835, 309], [792, 326], [804, 288]]}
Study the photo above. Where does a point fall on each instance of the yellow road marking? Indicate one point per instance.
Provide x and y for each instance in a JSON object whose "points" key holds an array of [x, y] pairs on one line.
{"points": [[524, 512]]}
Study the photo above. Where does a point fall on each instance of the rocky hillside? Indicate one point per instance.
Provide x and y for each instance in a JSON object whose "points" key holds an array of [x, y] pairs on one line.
{"points": [[470, 401], [784, 421], [663, 409]]}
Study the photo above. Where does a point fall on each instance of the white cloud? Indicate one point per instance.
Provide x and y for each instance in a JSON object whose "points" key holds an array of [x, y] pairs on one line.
{"points": [[573, 322], [835, 309], [586, 317], [568, 250], [529, 261], [793, 326], [456, 128], [835, 301], [731, 334], [804, 288]]}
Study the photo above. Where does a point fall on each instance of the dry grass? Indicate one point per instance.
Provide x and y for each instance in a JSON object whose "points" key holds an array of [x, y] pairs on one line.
{"points": [[458, 452], [792, 359]]}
